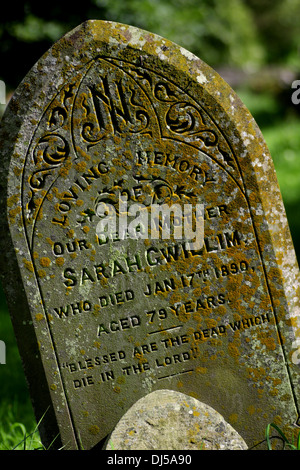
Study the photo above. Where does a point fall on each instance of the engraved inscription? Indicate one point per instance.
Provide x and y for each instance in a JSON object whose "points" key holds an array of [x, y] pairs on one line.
{"points": [[129, 315]]}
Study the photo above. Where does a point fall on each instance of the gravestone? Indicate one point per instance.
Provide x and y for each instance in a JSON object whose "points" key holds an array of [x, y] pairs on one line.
{"points": [[113, 113], [2, 352]]}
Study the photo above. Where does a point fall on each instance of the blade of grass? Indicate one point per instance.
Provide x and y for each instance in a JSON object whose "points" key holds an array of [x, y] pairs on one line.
{"points": [[283, 436], [298, 441]]}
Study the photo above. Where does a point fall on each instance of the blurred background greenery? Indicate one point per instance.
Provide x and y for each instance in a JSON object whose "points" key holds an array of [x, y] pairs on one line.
{"points": [[253, 44]]}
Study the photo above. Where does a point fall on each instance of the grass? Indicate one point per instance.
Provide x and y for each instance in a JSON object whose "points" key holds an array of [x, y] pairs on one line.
{"points": [[282, 437], [16, 413], [13, 434], [18, 428]]}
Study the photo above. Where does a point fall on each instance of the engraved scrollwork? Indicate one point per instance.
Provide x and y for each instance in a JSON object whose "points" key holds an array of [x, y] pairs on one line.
{"points": [[49, 149], [90, 133], [59, 113], [184, 118], [141, 116], [164, 192], [164, 92], [142, 75], [57, 118], [38, 178], [52, 149]]}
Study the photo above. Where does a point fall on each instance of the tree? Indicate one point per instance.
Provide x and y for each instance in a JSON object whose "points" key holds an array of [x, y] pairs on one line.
{"points": [[218, 32], [238, 33]]}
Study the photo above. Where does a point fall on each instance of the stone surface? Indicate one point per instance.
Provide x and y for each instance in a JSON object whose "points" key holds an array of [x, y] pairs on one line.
{"points": [[169, 420], [111, 110]]}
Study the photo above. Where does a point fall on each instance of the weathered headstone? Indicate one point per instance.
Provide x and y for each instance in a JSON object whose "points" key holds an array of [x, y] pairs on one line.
{"points": [[101, 320], [2, 352]]}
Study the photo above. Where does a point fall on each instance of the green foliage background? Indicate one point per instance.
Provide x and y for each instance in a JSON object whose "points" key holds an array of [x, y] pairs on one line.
{"points": [[253, 44], [243, 33]]}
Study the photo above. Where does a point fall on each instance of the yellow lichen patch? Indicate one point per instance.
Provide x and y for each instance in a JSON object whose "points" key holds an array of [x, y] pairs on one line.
{"points": [[233, 418], [64, 171], [45, 262], [269, 343], [70, 233], [41, 273], [277, 420], [293, 321], [12, 200], [104, 281], [17, 171], [48, 240], [40, 214], [94, 429], [260, 392], [251, 410], [121, 379], [211, 323], [59, 261], [39, 317], [256, 374], [233, 350], [81, 166], [14, 212], [96, 310], [28, 265], [82, 153], [141, 358]]}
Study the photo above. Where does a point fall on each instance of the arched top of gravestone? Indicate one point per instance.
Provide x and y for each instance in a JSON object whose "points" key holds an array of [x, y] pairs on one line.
{"points": [[199, 104], [113, 110]]}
